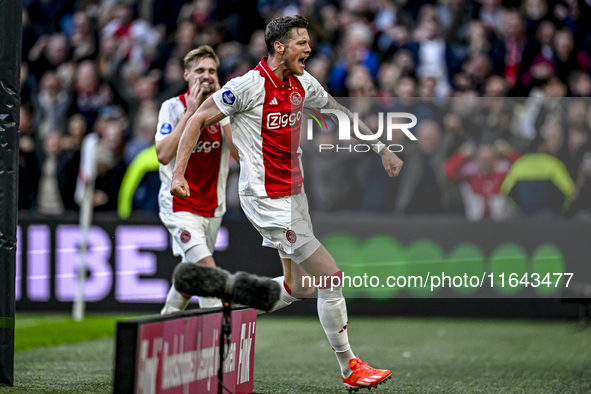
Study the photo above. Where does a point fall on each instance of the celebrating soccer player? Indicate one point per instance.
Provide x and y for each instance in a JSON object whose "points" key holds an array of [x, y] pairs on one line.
{"points": [[266, 108], [194, 221]]}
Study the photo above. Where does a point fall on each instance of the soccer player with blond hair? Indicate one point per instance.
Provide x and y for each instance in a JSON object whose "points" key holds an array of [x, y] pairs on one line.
{"points": [[194, 221]]}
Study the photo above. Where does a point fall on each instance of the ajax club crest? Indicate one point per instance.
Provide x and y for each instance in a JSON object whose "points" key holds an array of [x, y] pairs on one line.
{"points": [[296, 99]]}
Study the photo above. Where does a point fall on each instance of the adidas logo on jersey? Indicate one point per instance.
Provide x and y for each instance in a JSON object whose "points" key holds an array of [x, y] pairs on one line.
{"points": [[274, 101]]}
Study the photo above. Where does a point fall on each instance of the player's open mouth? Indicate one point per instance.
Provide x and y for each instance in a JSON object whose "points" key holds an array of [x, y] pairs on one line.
{"points": [[302, 61]]}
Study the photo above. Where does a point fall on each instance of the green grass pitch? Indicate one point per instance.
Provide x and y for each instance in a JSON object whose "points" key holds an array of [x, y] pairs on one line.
{"points": [[292, 355]]}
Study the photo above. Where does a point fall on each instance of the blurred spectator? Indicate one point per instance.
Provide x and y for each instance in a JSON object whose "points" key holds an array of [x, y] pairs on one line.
{"points": [[136, 36], [319, 66], [491, 14], [539, 184], [407, 101], [536, 13], [197, 11], [359, 83], [496, 87], [538, 56], [584, 186], [212, 34], [432, 56], [422, 181], [140, 185], [131, 87], [107, 58], [514, 40], [551, 139], [257, 48], [69, 163], [49, 200], [388, 80], [427, 87], [66, 72], [144, 127], [567, 59], [554, 88], [46, 15], [51, 106], [47, 54], [90, 93], [83, 38], [330, 182], [355, 47], [579, 84], [111, 167], [493, 119], [172, 79], [166, 12], [477, 69], [576, 112], [577, 143], [478, 38], [184, 40], [482, 170]]}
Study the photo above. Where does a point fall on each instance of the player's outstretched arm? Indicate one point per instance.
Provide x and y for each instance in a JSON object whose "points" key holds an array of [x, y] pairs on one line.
{"points": [[391, 162], [207, 114]]}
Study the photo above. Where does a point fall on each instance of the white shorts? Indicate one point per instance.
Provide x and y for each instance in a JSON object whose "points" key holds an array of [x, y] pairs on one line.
{"points": [[284, 223], [190, 230]]}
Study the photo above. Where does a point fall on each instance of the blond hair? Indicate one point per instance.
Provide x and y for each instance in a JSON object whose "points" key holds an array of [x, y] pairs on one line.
{"points": [[200, 53]]}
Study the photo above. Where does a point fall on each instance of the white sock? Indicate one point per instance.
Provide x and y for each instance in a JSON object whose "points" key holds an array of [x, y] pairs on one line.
{"points": [[343, 359], [209, 302], [175, 302], [285, 298], [332, 313]]}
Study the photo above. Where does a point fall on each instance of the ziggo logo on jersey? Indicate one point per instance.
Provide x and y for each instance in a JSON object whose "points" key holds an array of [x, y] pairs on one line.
{"points": [[276, 120], [206, 146]]}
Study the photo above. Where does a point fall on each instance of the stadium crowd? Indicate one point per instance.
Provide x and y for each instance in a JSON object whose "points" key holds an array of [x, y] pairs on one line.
{"points": [[498, 88]]}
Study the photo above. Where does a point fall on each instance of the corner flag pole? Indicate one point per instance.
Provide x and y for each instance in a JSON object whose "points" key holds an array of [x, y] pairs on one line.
{"points": [[86, 210], [84, 196]]}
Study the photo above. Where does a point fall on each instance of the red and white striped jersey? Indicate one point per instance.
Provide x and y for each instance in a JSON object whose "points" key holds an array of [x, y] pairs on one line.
{"points": [[207, 168], [266, 117]]}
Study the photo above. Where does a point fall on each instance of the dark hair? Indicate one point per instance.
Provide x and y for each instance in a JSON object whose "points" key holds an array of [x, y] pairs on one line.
{"points": [[279, 28]]}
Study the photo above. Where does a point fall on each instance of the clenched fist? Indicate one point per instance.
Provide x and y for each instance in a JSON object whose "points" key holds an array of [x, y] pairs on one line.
{"points": [[392, 164], [179, 187]]}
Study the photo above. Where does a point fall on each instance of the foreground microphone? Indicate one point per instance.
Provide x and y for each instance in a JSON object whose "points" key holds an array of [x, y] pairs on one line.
{"points": [[241, 288]]}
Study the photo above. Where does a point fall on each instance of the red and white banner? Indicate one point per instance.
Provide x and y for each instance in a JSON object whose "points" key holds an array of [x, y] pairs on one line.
{"points": [[181, 355]]}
